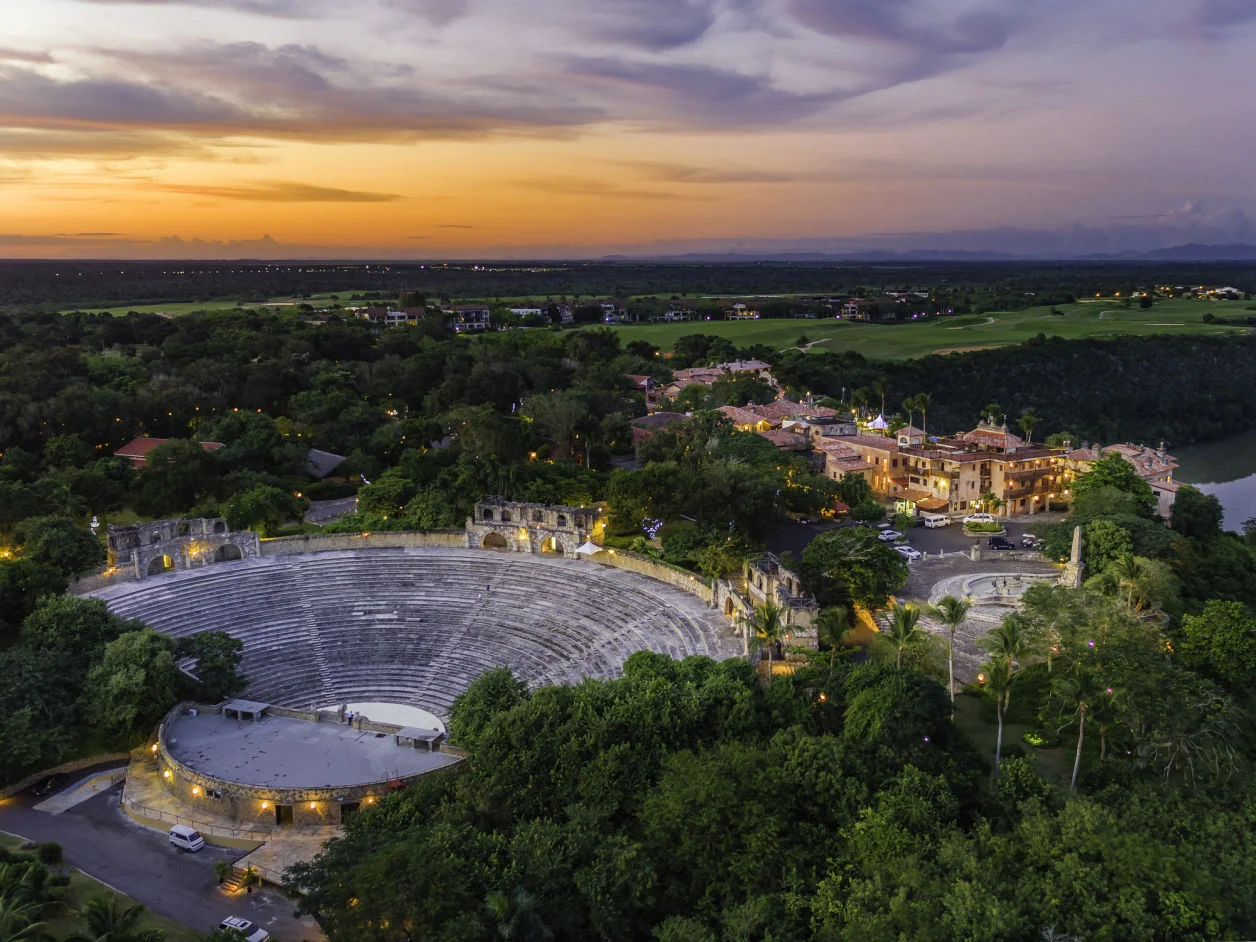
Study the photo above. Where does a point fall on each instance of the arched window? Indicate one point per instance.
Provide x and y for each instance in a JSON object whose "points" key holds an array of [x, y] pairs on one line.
{"points": [[562, 520]]}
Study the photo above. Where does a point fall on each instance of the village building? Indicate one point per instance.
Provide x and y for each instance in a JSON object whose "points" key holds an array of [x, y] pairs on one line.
{"points": [[468, 317], [1153, 465]]}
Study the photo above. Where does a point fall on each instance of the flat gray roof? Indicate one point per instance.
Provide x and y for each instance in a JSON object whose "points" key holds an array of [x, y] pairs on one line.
{"points": [[279, 752], [245, 706], [418, 733]]}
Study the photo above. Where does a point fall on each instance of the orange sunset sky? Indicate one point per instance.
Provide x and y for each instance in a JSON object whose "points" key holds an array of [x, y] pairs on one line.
{"points": [[420, 128]]}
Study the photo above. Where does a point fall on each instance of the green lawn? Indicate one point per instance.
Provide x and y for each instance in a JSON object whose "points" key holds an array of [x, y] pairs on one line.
{"points": [[1055, 764], [222, 304], [951, 334], [83, 888]]}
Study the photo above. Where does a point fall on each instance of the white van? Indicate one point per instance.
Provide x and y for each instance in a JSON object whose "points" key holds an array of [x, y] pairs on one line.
{"points": [[186, 838], [979, 518], [933, 521]]}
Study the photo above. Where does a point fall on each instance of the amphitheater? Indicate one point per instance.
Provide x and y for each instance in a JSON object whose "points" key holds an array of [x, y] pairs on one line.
{"points": [[415, 625]]}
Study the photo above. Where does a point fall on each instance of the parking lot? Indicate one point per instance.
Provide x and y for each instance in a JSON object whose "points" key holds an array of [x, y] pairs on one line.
{"points": [[794, 537]]}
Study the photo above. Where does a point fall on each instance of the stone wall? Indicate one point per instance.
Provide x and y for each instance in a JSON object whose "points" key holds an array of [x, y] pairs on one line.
{"points": [[323, 542], [153, 548], [674, 576], [64, 768]]}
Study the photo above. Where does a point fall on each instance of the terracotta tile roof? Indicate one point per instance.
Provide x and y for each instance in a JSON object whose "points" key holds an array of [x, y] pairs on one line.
{"points": [[782, 438], [741, 416], [870, 441], [138, 448], [1003, 439]]}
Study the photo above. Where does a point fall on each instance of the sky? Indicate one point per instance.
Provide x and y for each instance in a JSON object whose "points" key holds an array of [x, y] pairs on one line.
{"points": [[565, 128]]}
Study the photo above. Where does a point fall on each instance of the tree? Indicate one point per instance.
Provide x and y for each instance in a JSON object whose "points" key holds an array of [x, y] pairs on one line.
{"points": [[1221, 641], [849, 566], [134, 683], [832, 627], [387, 495], [516, 917], [263, 508], [22, 583], [853, 490], [217, 667], [1196, 515], [109, 920], [766, 624], [903, 630], [1028, 421], [60, 543], [881, 384], [923, 401], [1010, 645], [1114, 471], [1103, 542], [910, 406], [992, 413], [176, 476], [951, 612], [492, 693], [1080, 689]]}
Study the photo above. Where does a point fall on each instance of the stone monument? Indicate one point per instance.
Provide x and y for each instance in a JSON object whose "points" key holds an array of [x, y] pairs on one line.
{"points": [[1073, 568]]}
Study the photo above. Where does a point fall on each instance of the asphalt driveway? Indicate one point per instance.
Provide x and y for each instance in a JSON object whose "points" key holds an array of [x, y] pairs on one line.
{"points": [[100, 840]]}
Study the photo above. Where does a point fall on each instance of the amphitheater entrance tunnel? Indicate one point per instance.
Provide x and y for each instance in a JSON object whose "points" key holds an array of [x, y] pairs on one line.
{"points": [[227, 552], [160, 564], [551, 545], [494, 541]]}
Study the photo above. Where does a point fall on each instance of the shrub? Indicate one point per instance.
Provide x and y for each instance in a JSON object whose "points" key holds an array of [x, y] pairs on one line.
{"points": [[49, 853], [983, 527]]}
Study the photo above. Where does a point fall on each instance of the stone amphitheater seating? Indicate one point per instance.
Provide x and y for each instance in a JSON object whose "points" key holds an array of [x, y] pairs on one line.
{"points": [[417, 625]]}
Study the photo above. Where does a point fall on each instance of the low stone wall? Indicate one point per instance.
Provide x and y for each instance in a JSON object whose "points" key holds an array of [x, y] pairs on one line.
{"points": [[323, 542], [676, 577], [101, 580], [1020, 556], [63, 769]]}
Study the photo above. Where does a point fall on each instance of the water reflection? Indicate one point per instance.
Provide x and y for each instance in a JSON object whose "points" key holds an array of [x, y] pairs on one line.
{"points": [[1227, 470]]}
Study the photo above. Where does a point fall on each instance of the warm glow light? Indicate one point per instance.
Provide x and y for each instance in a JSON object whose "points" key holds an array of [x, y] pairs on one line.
{"points": [[166, 774], [311, 806], [154, 747], [265, 805], [981, 678], [195, 790]]}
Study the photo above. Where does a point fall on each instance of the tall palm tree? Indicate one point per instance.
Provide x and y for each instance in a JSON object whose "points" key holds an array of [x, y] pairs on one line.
{"points": [[923, 401], [1081, 689], [904, 630], [767, 625], [517, 916], [1127, 569], [951, 612], [1011, 645], [910, 407], [107, 920], [1028, 422], [881, 385]]}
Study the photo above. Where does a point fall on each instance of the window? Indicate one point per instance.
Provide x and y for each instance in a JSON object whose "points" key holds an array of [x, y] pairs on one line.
{"points": [[488, 514], [506, 516], [562, 520], [537, 516]]}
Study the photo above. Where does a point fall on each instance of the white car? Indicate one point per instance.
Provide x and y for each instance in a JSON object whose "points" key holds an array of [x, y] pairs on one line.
{"points": [[250, 930], [979, 518], [911, 554], [889, 536]]}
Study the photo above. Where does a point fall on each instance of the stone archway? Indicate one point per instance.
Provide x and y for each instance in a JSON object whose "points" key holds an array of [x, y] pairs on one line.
{"points": [[494, 541], [551, 545], [160, 564], [228, 552]]}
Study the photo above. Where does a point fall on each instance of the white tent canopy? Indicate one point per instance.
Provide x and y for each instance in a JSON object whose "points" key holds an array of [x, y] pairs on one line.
{"points": [[879, 423], [588, 548]]}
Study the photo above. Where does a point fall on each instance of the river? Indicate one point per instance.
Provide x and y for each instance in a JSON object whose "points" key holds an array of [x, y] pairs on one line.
{"points": [[1225, 469]]}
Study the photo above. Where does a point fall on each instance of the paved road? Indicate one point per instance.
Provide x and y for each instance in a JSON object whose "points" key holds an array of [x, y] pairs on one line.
{"points": [[100, 840], [795, 536]]}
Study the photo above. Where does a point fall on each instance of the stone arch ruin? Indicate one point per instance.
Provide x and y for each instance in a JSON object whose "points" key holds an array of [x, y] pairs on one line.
{"points": [[150, 549], [530, 528]]}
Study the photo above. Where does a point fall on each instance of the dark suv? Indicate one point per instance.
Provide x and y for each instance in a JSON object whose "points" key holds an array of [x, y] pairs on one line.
{"points": [[1001, 543]]}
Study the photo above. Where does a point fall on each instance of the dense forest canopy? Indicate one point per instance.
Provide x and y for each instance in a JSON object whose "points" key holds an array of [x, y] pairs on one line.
{"points": [[977, 286]]}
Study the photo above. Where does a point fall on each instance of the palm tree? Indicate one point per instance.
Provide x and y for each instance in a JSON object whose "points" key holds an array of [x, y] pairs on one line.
{"points": [[881, 384], [1010, 645], [904, 630], [992, 413], [767, 623], [861, 397], [1028, 422], [922, 403], [910, 407], [517, 916], [951, 612], [1128, 572], [1081, 689], [832, 626], [108, 920], [19, 921]]}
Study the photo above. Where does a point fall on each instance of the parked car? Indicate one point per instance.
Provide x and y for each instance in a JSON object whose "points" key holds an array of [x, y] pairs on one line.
{"points": [[250, 930], [1001, 543], [883, 526], [186, 838], [911, 554], [933, 521], [889, 536], [1029, 541], [979, 518], [48, 784]]}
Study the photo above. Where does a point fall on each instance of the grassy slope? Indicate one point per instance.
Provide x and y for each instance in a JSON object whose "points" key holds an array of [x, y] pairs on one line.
{"points": [[903, 341]]}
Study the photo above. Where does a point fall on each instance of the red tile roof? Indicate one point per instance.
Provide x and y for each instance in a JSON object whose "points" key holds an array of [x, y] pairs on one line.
{"points": [[138, 448]]}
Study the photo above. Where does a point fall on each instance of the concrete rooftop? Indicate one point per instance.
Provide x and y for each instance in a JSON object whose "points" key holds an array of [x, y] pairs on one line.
{"points": [[279, 752]]}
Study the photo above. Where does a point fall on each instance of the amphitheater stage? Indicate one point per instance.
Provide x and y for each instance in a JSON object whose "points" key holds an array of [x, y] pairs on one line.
{"points": [[282, 753], [415, 625], [395, 713]]}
